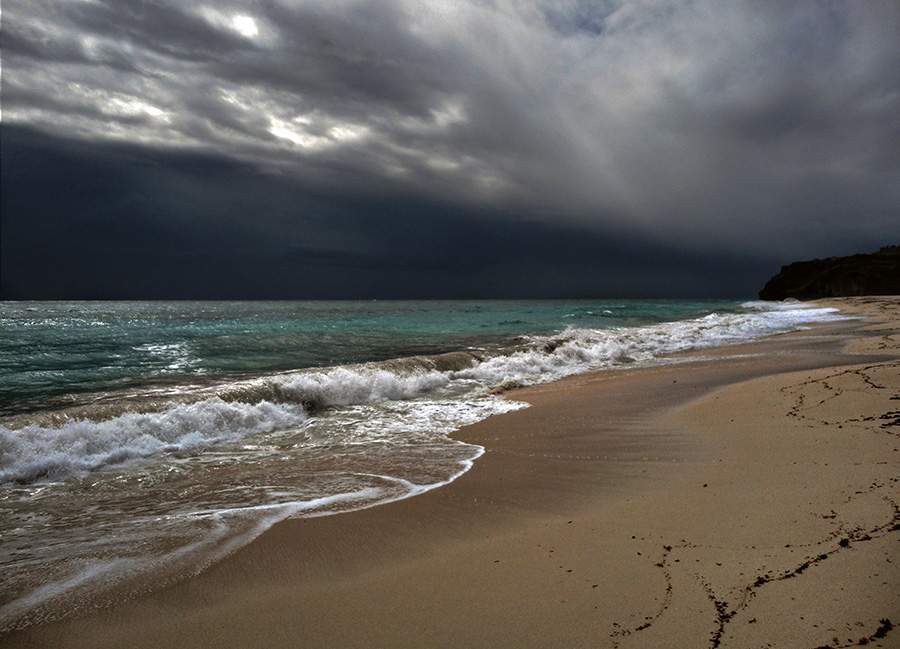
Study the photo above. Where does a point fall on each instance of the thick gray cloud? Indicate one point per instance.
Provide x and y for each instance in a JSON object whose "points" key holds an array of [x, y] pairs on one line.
{"points": [[758, 129]]}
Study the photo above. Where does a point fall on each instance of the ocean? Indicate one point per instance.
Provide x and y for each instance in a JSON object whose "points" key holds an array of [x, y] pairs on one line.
{"points": [[141, 441]]}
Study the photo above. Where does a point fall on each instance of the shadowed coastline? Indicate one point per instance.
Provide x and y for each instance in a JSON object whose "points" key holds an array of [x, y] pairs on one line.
{"points": [[872, 274], [747, 497]]}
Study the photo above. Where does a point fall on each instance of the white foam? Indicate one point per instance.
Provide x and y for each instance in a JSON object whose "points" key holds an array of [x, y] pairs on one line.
{"points": [[576, 351], [408, 421], [33, 452], [342, 386], [15, 609], [375, 404], [249, 408]]}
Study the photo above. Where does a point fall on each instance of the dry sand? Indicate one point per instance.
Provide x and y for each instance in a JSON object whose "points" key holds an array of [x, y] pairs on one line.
{"points": [[747, 498]]}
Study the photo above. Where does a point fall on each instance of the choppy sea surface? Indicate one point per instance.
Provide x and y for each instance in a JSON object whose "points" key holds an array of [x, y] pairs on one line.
{"points": [[143, 440]]}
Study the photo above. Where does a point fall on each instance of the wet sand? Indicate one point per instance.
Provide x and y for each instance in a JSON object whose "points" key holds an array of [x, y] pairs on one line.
{"points": [[746, 498]]}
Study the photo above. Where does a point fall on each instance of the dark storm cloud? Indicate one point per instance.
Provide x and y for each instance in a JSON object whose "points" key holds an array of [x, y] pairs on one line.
{"points": [[761, 130], [121, 221]]}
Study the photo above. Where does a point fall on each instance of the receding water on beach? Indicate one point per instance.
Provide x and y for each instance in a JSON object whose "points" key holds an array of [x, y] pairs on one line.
{"points": [[139, 441]]}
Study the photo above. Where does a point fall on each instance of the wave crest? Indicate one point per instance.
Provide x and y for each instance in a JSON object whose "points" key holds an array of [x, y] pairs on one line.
{"points": [[111, 431], [35, 452]]}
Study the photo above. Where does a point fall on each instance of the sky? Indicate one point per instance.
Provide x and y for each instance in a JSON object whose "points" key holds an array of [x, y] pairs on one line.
{"points": [[376, 149]]}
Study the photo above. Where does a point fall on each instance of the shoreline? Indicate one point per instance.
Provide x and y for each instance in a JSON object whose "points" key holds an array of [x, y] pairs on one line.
{"points": [[624, 508]]}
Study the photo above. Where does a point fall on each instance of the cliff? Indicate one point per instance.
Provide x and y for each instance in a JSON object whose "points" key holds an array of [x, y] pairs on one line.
{"points": [[872, 274]]}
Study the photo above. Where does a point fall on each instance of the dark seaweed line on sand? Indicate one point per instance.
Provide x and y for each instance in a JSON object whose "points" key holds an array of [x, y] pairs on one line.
{"points": [[724, 616], [664, 606], [890, 419], [724, 613], [886, 626]]}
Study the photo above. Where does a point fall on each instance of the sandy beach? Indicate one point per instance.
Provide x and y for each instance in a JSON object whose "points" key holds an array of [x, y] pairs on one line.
{"points": [[746, 497]]}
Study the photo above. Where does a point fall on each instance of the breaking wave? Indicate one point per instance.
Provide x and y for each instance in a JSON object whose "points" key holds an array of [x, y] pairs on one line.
{"points": [[135, 426]]}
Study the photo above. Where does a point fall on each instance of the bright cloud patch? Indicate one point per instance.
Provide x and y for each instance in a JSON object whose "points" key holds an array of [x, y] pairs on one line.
{"points": [[696, 120]]}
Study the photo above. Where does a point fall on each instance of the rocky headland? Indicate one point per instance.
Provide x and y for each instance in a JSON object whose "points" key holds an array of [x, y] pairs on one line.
{"points": [[877, 273]]}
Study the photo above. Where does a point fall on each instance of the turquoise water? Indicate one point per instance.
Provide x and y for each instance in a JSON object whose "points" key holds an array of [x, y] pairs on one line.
{"points": [[52, 352], [141, 440]]}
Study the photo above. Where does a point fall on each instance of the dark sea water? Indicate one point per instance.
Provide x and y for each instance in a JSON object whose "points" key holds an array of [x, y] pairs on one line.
{"points": [[142, 440]]}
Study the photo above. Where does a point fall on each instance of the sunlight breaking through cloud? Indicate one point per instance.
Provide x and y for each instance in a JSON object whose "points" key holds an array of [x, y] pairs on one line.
{"points": [[695, 120]]}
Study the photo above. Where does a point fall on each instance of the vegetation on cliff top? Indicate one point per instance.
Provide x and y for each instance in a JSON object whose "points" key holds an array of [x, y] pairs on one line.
{"points": [[877, 273]]}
